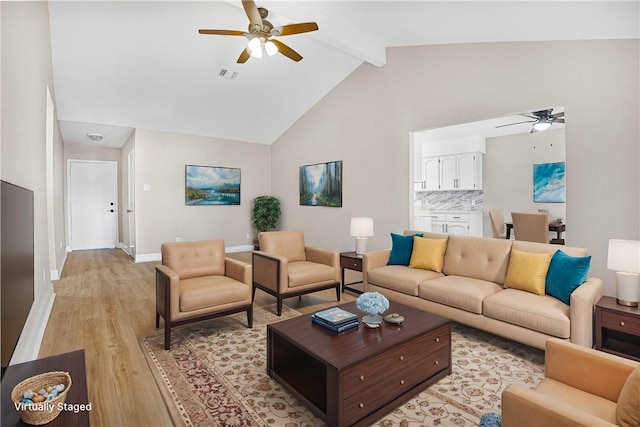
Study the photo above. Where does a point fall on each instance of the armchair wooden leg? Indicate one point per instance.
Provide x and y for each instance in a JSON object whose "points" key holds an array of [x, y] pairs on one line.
{"points": [[167, 335], [250, 316], [157, 319], [253, 294], [338, 291], [279, 305]]}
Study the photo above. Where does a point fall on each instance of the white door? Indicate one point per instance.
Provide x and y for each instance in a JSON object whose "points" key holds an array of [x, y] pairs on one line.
{"points": [[130, 204], [93, 213]]}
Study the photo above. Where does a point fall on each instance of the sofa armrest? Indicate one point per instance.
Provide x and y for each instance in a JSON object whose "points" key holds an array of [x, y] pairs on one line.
{"points": [[371, 260], [237, 270], [581, 311], [524, 407], [167, 291], [567, 363], [270, 271], [324, 256]]}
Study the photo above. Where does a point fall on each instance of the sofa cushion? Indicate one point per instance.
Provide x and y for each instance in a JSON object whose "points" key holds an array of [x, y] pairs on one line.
{"points": [[565, 274], [304, 272], [478, 258], [401, 248], [460, 292], [400, 278], [428, 254], [575, 398], [528, 271], [538, 248], [541, 313], [628, 408], [209, 291]]}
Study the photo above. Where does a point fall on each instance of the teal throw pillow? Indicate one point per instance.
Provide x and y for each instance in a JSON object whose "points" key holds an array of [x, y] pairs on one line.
{"points": [[565, 274], [401, 248]]}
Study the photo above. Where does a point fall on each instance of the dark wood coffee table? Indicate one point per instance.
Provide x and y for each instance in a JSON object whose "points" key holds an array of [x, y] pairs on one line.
{"points": [[72, 362], [357, 376]]}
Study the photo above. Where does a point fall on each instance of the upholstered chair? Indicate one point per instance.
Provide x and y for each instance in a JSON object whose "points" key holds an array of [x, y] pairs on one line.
{"points": [[197, 282], [581, 387], [531, 227], [498, 226], [284, 267]]}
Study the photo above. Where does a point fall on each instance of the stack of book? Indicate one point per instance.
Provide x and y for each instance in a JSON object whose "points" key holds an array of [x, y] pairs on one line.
{"points": [[335, 319]]}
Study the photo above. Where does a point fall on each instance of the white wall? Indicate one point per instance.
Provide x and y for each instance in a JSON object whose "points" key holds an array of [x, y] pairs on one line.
{"points": [[365, 121], [508, 174], [129, 145], [161, 214], [26, 73]]}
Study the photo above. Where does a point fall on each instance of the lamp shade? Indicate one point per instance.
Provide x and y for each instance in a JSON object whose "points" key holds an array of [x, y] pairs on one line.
{"points": [[361, 227], [624, 256]]}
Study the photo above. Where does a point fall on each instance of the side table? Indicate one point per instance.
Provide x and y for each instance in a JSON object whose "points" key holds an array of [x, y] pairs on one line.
{"points": [[618, 328], [350, 261]]}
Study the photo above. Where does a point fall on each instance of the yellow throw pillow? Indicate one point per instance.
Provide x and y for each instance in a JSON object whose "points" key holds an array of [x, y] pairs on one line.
{"points": [[527, 271], [428, 254], [628, 407]]}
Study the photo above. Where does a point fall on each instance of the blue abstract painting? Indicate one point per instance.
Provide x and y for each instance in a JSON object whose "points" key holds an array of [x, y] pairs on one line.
{"points": [[549, 183], [321, 184]]}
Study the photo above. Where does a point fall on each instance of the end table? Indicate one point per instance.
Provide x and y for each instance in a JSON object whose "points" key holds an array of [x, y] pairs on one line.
{"points": [[618, 328], [350, 261]]}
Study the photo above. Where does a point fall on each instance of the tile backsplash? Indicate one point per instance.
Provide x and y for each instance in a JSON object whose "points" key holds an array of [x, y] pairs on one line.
{"points": [[459, 200]]}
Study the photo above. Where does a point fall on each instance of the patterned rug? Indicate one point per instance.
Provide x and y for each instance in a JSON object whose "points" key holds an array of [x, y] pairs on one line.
{"points": [[215, 375]]}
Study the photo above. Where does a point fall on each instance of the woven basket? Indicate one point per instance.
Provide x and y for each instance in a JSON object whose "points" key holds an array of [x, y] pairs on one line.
{"points": [[49, 379]]}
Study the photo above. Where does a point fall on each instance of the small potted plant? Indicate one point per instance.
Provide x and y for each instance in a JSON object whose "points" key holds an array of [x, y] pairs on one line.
{"points": [[265, 213]]}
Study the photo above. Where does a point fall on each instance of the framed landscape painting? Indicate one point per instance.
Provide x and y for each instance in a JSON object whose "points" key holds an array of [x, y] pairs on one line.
{"points": [[211, 185], [321, 184], [549, 183]]}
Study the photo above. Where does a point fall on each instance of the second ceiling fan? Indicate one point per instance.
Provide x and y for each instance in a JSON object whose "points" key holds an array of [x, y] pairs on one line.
{"points": [[261, 34], [541, 120]]}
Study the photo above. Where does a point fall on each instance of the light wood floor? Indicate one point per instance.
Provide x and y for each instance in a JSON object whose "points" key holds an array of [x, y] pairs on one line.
{"points": [[104, 304]]}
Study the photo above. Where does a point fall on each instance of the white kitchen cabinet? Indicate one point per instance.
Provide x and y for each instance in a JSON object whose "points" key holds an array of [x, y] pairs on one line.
{"points": [[422, 223], [453, 172], [458, 223]]}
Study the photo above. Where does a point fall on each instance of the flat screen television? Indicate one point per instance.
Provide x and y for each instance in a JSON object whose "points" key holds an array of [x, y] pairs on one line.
{"points": [[16, 265]]}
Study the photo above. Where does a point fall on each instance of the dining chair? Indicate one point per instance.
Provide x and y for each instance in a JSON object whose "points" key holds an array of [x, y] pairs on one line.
{"points": [[531, 227], [498, 226]]}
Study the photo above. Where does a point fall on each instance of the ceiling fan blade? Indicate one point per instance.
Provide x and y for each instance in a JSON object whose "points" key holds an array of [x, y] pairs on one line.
{"points": [[286, 30], [286, 50], [517, 123], [224, 32], [252, 12], [559, 120], [558, 115], [244, 56]]}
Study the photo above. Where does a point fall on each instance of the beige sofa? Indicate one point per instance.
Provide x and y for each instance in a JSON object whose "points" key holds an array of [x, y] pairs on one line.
{"points": [[470, 291]]}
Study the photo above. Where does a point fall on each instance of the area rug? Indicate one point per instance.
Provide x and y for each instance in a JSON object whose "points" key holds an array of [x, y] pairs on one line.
{"points": [[215, 375]]}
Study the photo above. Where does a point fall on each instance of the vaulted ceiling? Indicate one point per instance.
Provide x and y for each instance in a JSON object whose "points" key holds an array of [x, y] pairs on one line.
{"points": [[120, 65]]}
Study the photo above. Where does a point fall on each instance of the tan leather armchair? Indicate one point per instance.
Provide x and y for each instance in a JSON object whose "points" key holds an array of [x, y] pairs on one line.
{"points": [[284, 267], [197, 282], [582, 387]]}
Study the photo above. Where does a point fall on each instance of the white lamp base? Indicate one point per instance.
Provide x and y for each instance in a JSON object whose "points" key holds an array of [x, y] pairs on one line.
{"points": [[361, 245], [627, 289]]}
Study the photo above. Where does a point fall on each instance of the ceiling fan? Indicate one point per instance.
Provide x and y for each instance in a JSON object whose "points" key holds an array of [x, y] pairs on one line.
{"points": [[261, 34], [541, 120]]}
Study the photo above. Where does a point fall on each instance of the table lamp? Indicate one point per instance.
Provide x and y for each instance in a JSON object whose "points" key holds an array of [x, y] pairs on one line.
{"points": [[361, 229], [624, 259]]}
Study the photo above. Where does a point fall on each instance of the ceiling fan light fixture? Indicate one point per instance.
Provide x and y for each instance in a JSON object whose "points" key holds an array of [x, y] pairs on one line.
{"points": [[542, 124], [255, 47], [270, 47], [95, 137]]}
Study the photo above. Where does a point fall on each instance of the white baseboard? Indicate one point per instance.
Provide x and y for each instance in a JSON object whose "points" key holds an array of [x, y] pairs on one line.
{"points": [[158, 256], [57, 273], [31, 338]]}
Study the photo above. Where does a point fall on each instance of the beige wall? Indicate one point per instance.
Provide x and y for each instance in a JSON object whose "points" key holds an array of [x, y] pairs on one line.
{"points": [[161, 213], [26, 73], [365, 121]]}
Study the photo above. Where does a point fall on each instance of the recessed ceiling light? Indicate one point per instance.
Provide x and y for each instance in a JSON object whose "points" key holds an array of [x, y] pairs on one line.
{"points": [[228, 74], [95, 137]]}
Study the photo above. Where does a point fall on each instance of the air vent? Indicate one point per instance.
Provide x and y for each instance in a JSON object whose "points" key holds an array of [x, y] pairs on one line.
{"points": [[228, 74]]}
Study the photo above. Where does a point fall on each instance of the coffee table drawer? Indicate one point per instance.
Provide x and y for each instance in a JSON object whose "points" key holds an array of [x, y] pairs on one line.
{"points": [[384, 389], [367, 374]]}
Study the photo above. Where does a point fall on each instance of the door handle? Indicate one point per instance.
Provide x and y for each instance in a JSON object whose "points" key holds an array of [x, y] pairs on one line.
{"points": [[129, 210]]}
